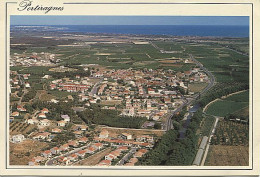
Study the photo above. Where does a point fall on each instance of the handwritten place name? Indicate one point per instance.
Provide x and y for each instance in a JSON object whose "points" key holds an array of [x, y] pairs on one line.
{"points": [[26, 5]]}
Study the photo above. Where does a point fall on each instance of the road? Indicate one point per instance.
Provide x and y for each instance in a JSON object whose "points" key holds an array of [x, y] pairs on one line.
{"points": [[50, 161], [126, 157], [188, 102], [208, 143], [95, 87]]}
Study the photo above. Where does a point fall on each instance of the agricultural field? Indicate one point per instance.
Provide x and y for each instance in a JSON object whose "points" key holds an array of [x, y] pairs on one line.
{"points": [[220, 155], [197, 87], [22, 152], [229, 145], [226, 65], [21, 128], [229, 105]]}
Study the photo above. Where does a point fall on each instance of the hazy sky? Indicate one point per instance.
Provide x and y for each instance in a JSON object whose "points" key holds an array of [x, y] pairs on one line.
{"points": [[129, 20]]}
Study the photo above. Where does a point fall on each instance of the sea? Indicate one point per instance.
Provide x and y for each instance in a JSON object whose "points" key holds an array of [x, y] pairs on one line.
{"points": [[174, 30]]}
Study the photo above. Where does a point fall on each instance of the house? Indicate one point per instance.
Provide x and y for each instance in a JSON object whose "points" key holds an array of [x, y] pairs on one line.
{"points": [[123, 148], [65, 117], [11, 119], [41, 115], [126, 136], [36, 160], [103, 134], [73, 143], [32, 162], [110, 157], [81, 153], [83, 140], [17, 138], [61, 123], [97, 146], [73, 157], [45, 110], [104, 163], [90, 150], [27, 85], [44, 122], [47, 154], [20, 108], [80, 127], [53, 86], [46, 77], [145, 138], [32, 121], [78, 134], [54, 101], [41, 136], [64, 147], [56, 130], [55, 150], [15, 114]]}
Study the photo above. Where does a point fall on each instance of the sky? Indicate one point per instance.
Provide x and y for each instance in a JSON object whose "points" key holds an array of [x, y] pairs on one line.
{"points": [[129, 20]]}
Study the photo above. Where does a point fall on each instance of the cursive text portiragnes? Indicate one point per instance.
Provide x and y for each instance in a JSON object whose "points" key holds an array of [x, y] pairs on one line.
{"points": [[27, 5]]}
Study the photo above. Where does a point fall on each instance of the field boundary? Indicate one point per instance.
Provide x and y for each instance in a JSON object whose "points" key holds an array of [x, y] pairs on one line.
{"points": [[206, 107]]}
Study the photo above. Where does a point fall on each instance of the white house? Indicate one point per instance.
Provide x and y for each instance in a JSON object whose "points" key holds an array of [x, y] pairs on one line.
{"points": [[17, 138], [44, 122]]}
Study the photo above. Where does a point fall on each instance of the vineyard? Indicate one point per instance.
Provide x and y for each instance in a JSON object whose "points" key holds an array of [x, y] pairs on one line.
{"points": [[21, 128], [229, 145]]}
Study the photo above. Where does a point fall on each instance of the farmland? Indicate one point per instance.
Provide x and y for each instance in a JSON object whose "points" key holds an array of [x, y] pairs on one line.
{"points": [[229, 145], [229, 105], [220, 155]]}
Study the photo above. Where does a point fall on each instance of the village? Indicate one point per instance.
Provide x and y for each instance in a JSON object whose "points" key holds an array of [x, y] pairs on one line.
{"points": [[148, 93]]}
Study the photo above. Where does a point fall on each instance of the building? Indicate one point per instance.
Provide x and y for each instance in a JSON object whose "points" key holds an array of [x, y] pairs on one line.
{"points": [[65, 117], [103, 134], [126, 136], [44, 122], [61, 123], [17, 138], [105, 163], [15, 114]]}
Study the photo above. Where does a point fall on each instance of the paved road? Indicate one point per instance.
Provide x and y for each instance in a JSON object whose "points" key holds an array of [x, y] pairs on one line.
{"points": [[126, 157], [50, 161], [95, 87], [210, 136], [188, 102], [245, 54]]}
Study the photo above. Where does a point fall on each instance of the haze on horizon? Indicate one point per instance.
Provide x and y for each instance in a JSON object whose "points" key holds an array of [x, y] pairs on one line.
{"points": [[129, 20]]}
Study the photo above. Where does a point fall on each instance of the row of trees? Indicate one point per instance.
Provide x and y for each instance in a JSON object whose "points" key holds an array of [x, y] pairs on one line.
{"points": [[171, 150], [71, 74], [221, 89]]}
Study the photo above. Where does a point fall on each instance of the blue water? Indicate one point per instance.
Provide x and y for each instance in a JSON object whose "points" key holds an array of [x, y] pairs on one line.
{"points": [[174, 30], [180, 30]]}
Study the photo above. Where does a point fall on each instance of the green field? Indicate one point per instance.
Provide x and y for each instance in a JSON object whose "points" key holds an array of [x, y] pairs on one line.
{"points": [[232, 104], [241, 97]]}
